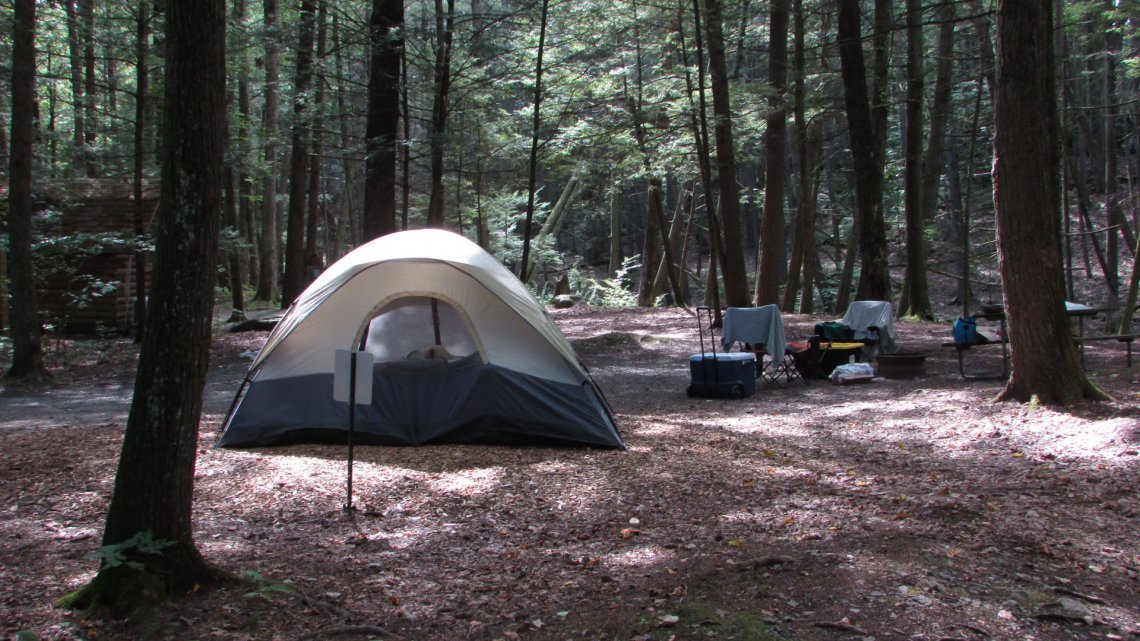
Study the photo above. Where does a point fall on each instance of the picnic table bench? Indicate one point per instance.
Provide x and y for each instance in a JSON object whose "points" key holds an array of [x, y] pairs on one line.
{"points": [[990, 338], [996, 313]]}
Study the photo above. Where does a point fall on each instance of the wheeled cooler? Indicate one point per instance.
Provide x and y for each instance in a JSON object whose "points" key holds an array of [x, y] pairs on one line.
{"points": [[724, 374]]}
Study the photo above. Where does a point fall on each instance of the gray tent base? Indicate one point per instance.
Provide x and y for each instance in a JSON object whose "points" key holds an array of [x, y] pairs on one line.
{"points": [[462, 402]]}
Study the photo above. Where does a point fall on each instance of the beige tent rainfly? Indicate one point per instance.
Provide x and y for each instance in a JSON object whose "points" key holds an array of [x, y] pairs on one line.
{"points": [[463, 353]]}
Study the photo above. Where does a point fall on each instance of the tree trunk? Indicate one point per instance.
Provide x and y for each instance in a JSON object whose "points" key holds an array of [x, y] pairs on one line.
{"points": [[335, 248], [27, 351], [916, 292], [87, 16], [554, 219], [682, 221], [811, 149], [735, 275], [234, 270], [796, 259], [267, 285], [615, 258], [1027, 198], [248, 223], [313, 261], [656, 249], [867, 158], [934, 161], [847, 275], [1129, 307], [75, 60], [386, 41], [299, 157], [775, 141], [142, 83], [154, 484], [405, 152], [699, 125], [532, 167], [4, 143], [442, 86], [4, 318], [237, 183]]}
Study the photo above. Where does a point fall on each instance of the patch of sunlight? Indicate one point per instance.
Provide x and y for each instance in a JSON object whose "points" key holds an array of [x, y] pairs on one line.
{"points": [[466, 482], [302, 466], [625, 371], [553, 467], [416, 533], [742, 517], [659, 428], [1098, 439], [844, 410], [639, 557]]}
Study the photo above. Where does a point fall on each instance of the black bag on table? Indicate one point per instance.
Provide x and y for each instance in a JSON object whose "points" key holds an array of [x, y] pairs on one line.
{"points": [[834, 332]]}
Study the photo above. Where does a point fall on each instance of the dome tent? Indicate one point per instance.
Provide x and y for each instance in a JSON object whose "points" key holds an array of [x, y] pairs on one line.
{"points": [[463, 353]]}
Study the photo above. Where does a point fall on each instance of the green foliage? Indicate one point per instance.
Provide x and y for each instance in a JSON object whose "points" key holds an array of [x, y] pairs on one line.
{"points": [[264, 588], [66, 257], [504, 215], [127, 553], [616, 291]]}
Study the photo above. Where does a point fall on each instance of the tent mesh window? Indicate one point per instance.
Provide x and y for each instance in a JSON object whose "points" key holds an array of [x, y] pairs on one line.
{"points": [[418, 327]]}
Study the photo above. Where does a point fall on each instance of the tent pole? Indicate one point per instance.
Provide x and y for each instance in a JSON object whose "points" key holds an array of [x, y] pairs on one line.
{"points": [[435, 320], [233, 407], [351, 428]]}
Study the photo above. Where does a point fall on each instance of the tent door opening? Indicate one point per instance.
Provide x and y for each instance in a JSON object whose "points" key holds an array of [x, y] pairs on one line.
{"points": [[419, 328]]}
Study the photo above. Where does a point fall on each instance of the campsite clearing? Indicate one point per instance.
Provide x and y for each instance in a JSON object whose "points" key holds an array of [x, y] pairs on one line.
{"points": [[900, 509]]}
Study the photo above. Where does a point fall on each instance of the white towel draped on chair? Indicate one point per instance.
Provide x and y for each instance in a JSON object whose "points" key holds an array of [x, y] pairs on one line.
{"points": [[755, 326], [761, 329], [863, 314]]}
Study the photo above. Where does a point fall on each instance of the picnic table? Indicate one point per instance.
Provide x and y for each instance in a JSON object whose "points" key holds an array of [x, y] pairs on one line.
{"points": [[816, 359], [996, 313]]}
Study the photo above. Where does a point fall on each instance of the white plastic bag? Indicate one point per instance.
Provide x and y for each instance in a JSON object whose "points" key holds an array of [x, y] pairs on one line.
{"points": [[851, 370]]}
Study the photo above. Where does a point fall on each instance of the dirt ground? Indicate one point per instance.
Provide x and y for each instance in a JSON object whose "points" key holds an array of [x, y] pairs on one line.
{"points": [[898, 509]]}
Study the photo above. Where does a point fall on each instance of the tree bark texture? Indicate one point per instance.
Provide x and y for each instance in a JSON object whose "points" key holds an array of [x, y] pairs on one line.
{"points": [[387, 44], [315, 207], [268, 288], [1027, 198], [155, 479], [90, 88], [867, 158], [75, 60], [532, 166], [732, 260], [940, 110], [442, 88], [775, 140], [699, 124], [142, 82], [27, 350], [299, 157], [916, 292], [796, 258]]}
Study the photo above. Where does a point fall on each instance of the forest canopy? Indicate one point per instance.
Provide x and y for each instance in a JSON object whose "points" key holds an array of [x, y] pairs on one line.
{"points": [[625, 151]]}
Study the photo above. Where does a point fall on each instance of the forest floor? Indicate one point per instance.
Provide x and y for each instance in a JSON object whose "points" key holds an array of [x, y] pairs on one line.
{"points": [[899, 509]]}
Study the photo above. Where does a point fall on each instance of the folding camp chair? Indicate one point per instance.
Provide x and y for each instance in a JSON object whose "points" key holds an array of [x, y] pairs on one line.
{"points": [[873, 323], [761, 331]]}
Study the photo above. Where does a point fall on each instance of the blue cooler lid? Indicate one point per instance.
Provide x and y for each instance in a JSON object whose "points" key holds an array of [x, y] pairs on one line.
{"points": [[723, 356]]}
